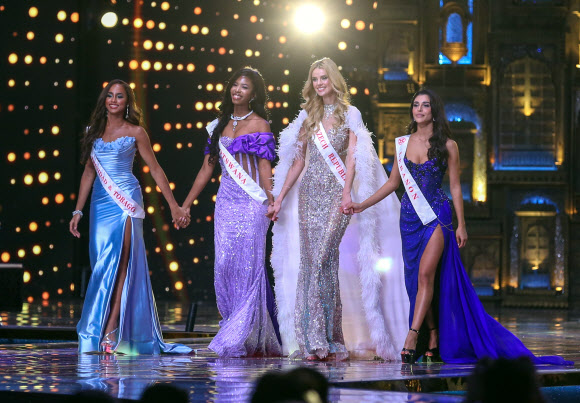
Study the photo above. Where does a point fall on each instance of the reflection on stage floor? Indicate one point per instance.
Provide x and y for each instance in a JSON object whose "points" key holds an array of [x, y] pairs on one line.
{"points": [[55, 368]]}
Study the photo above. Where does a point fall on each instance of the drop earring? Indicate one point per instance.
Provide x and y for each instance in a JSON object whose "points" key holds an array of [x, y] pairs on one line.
{"points": [[127, 112]]}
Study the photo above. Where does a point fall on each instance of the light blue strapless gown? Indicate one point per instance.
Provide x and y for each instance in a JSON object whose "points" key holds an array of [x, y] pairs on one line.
{"points": [[139, 329]]}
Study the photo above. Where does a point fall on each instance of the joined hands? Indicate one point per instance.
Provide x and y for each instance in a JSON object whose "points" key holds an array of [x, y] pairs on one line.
{"points": [[181, 217], [273, 210]]}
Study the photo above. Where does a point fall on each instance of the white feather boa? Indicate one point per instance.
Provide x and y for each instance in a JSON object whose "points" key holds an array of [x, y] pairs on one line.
{"points": [[372, 287]]}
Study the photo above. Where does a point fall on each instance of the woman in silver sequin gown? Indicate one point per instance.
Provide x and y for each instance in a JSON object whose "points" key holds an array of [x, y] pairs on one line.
{"points": [[309, 300], [318, 312]]}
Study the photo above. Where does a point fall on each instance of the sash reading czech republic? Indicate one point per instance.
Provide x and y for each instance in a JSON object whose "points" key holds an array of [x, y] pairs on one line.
{"points": [[330, 155]]}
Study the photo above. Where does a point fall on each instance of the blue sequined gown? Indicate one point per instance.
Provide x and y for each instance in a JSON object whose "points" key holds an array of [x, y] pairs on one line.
{"points": [[139, 329], [466, 332], [244, 298]]}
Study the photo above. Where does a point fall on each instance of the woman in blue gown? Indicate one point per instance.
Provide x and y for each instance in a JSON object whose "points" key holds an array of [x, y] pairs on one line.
{"points": [[443, 302], [119, 312]]}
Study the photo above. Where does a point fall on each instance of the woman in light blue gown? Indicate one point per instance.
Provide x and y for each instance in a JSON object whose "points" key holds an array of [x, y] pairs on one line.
{"points": [[119, 312]]}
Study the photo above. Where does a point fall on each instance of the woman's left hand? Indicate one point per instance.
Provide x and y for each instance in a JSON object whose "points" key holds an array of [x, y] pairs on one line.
{"points": [[345, 205], [461, 236], [180, 217]]}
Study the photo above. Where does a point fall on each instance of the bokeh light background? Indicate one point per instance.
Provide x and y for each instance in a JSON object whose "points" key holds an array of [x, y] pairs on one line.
{"points": [[177, 55]]}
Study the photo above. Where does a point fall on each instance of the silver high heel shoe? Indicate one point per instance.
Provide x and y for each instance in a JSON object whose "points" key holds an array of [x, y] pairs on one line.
{"points": [[108, 343]]}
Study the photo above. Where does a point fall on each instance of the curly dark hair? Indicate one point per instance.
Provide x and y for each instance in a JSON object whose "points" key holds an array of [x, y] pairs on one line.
{"points": [[441, 129], [98, 121], [258, 105]]}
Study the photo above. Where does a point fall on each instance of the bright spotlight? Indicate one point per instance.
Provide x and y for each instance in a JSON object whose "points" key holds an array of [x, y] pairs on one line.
{"points": [[384, 265], [109, 20], [309, 18]]}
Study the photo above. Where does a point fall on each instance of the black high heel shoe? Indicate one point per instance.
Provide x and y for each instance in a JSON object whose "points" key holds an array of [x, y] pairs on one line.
{"points": [[432, 354], [409, 355]]}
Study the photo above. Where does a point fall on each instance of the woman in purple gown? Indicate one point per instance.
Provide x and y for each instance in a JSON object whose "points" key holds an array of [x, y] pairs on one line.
{"points": [[446, 309], [241, 141]]}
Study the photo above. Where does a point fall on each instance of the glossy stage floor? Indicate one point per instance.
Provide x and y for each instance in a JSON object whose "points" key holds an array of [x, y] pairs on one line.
{"points": [[39, 362]]}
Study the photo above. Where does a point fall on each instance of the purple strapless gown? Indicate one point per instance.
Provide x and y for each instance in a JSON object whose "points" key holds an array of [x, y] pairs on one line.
{"points": [[466, 332], [244, 297]]}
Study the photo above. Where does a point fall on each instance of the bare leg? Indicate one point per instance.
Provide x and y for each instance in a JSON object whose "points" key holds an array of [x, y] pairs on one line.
{"points": [[427, 271], [433, 332], [115, 306]]}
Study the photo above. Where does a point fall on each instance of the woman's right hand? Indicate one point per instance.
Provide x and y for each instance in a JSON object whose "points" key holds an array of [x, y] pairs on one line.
{"points": [[352, 208], [185, 220], [179, 217], [73, 225], [273, 210]]}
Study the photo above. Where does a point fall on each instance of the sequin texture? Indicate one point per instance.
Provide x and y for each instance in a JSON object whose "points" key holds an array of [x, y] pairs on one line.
{"points": [[318, 313], [244, 297]]}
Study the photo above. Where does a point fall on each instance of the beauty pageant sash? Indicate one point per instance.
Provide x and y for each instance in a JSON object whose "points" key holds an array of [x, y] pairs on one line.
{"points": [[241, 176], [420, 204], [330, 155], [122, 199]]}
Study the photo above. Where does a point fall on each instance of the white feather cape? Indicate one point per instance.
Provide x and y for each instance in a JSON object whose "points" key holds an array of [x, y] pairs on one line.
{"points": [[372, 287]]}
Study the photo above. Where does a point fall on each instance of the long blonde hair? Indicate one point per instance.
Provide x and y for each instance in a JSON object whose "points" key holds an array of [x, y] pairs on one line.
{"points": [[313, 104]]}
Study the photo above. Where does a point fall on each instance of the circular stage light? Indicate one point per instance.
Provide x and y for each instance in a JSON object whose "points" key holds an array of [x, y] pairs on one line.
{"points": [[109, 20], [309, 18]]}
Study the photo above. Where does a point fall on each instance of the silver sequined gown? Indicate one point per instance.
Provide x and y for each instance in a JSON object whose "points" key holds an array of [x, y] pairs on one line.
{"points": [[318, 313]]}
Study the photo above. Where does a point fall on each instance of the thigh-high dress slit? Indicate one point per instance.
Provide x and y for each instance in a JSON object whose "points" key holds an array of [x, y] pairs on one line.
{"points": [[139, 331], [466, 332]]}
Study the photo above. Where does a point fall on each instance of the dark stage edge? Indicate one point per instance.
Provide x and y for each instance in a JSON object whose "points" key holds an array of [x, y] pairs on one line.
{"points": [[53, 372]]}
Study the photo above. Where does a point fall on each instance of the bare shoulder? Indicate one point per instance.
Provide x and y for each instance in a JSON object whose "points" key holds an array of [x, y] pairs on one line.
{"points": [[262, 125], [451, 146], [138, 132]]}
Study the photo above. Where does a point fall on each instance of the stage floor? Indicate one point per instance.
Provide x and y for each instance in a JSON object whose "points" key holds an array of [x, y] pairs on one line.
{"points": [[55, 368]]}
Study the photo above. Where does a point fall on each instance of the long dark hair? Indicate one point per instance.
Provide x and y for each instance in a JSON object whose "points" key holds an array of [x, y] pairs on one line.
{"points": [[98, 122], [258, 105], [441, 129]]}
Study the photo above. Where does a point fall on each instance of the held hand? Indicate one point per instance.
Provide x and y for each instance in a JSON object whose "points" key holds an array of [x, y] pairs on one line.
{"points": [[186, 219], [345, 205], [180, 218], [461, 236], [74, 223], [273, 210], [187, 211], [353, 208]]}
